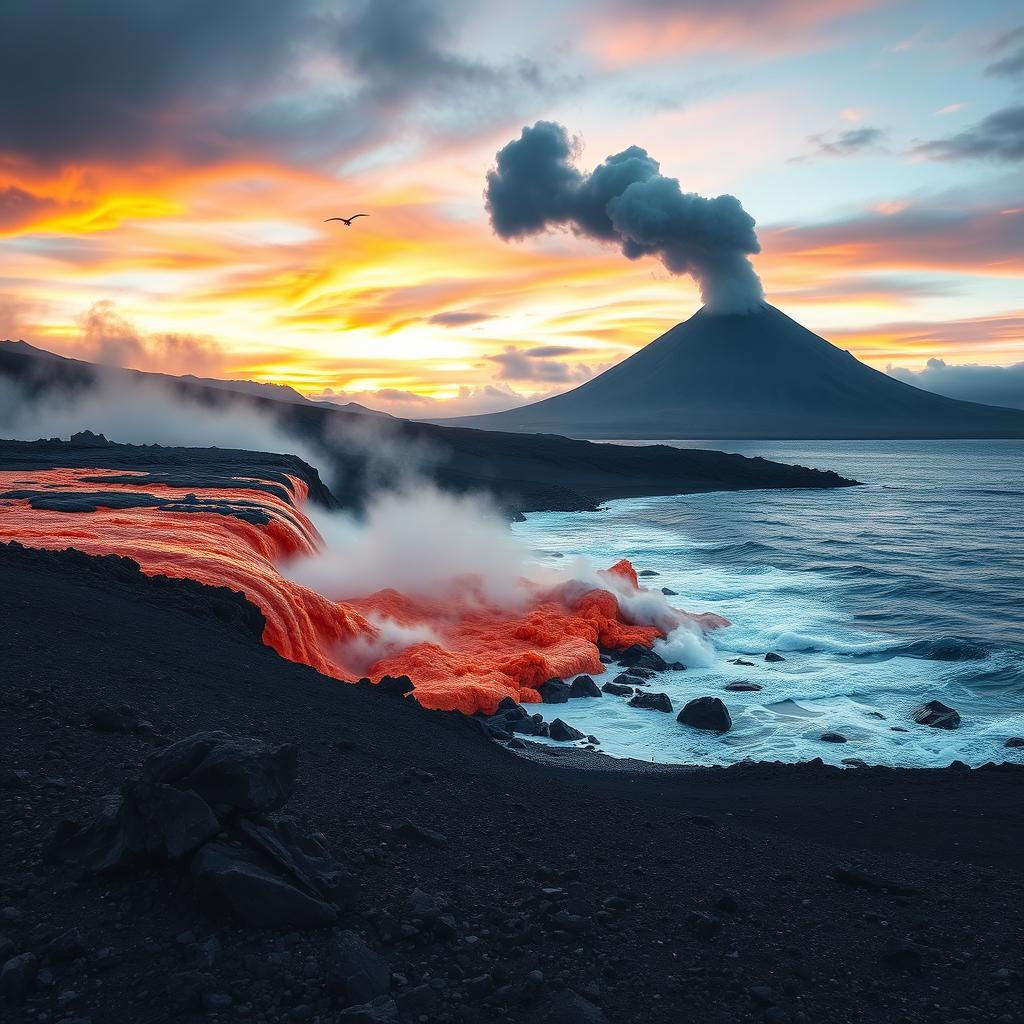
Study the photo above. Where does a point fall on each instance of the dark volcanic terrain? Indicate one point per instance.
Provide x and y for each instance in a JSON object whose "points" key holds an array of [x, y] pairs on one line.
{"points": [[526, 473], [487, 887]]}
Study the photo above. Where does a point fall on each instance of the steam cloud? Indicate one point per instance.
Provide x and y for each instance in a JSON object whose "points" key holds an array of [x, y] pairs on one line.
{"points": [[410, 536], [626, 200]]}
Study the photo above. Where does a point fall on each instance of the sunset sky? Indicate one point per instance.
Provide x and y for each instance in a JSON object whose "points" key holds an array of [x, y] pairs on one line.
{"points": [[166, 167]]}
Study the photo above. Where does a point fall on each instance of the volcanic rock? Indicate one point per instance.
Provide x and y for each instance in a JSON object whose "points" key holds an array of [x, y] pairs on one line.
{"points": [[567, 1007], [669, 593], [1014, 741], [652, 702], [708, 713], [554, 691], [584, 686], [643, 657], [937, 715], [244, 773], [833, 737], [238, 878], [636, 672], [742, 686], [645, 573], [381, 1011], [364, 974], [617, 688], [772, 656], [396, 686], [741, 661], [18, 975], [559, 730], [184, 819]]}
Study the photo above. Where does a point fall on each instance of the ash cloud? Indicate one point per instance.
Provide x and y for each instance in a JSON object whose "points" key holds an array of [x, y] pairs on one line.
{"points": [[536, 187]]}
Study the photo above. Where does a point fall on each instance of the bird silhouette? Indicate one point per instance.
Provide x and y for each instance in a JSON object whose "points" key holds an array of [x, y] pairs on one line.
{"points": [[347, 221]]}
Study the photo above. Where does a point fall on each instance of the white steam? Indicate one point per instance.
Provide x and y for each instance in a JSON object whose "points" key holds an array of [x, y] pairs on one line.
{"points": [[418, 540], [137, 411], [392, 638]]}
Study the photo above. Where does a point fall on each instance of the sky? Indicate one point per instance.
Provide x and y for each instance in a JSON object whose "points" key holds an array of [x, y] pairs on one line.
{"points": [[166, 168]]}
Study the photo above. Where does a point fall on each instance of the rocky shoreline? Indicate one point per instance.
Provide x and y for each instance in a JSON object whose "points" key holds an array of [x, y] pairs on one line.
{"points": [[471, 884]]}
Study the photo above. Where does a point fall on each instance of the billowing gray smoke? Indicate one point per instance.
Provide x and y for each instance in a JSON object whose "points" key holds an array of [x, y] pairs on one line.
{"points": [[535, 187]]}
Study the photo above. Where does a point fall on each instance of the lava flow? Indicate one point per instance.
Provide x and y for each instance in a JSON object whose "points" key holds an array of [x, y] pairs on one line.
{"points": [[475, 653]]}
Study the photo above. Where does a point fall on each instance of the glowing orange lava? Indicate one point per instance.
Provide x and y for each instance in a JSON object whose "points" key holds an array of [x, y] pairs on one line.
{"points": [[483, 653]]}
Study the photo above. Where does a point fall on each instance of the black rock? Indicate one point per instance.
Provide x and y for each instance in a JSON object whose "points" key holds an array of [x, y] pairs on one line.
{"points": [[651, 702], [566, 1007], [559, 730], [237, 878], [68, 945], [529, 725], [18, 975], [833, 737], [364, 974], [508, 704], [742, 686], [554, 691], [1014, 741], [708, 713], [244, 773], [642, 656], [584, 686], [618, 689], [184, 820], [854, 762], [381, 1011], [418, 1001], [772, 656], [647, 573], [937, 715], [396, 686], [741, 661], [669, 593], [636, 672]]}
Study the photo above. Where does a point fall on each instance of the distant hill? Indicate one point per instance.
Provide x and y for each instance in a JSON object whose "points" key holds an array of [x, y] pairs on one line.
{"points": [[753, 375], [523, 473]]}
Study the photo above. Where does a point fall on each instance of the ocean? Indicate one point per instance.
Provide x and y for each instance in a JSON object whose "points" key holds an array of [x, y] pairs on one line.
{"points": [[907, 589]]}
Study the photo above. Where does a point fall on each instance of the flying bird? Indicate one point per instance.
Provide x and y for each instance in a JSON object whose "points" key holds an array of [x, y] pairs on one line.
{"points": [[347, 221]]}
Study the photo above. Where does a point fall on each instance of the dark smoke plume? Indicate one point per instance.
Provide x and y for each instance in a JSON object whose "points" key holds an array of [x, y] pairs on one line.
{"points": [[536, 186]]}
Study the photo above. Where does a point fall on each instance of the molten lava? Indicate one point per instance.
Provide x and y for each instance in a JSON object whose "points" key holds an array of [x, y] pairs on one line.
{"points": [[478, 653]]}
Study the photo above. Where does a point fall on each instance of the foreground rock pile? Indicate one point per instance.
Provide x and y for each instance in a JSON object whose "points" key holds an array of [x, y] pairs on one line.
{"points": [[202, 803]]}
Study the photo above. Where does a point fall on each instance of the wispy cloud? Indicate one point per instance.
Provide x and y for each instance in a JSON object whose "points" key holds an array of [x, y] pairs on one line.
{"points": [[1000, 136]]}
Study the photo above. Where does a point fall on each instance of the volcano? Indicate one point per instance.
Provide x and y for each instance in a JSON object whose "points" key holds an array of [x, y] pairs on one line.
{"points": [[751, 375]]}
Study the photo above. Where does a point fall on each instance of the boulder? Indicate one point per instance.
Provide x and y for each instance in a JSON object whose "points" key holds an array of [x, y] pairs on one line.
{"points": [[772, 656], [741, 661], [708, 713], [18, 975], [669, 593], [243, 773], [363, 973], [396, 686], [584, 686], [559, 730], [381, 1011], [636, 672], [566, 1007], [742, 686], [184, 819], [833, 737], [637, 654], [1014, 741], [232, 876], [554, 691], [651, 702], [618, 689], [936, 715]]}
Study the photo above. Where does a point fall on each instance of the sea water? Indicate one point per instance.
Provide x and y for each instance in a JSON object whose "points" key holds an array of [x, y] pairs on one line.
{"points": [[907, 589]]}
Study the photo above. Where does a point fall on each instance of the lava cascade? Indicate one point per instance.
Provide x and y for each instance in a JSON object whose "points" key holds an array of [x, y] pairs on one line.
{"points": [[483, 652]]}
